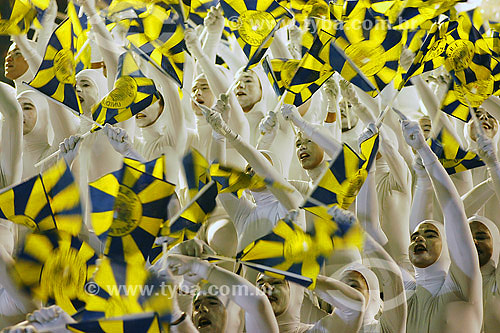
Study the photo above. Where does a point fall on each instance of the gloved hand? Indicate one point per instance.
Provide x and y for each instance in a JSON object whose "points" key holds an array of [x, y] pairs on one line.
{"points": [[367, 133], [194, 267], [193, 44], [290, 112], [68, 149], [193, 248], [486, 150], [413, 134], [332, 90], [214, 118], [348, 92], [118, 138], [342, 216], [268, 123], [214, 21]]}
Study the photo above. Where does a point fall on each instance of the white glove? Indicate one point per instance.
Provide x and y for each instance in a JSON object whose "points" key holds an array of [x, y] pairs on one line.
{"points": [[486, 150], [181, 265], [290, 112], [342, 216], [88, 6], [214, 21], [193, 43], [193, 248], [214, 118], [331, 89], [413, 134], [118, 138], [268, 123], [348, 91], [222, 105], [20, 329], [367, 133], [418, 166], [50, 319], [68, 149]]}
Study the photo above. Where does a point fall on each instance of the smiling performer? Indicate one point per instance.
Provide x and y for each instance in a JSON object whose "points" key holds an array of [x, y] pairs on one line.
{"points": [[448, 295]]}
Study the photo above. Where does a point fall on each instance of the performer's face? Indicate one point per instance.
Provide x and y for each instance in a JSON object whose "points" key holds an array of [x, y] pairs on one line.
{"points": [[29, 114], [309, 153], [149, 115], [355, 279], [348, 117], [277, 292], [15, 64], [248, 90], [425, 125], [88, 93], [482, 240], [202, 94], [425, 245], [488, 123], [209, 314]]}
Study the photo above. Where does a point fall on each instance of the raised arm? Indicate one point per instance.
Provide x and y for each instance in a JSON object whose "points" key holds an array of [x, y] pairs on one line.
{"points": [[290, 198], [32, 57], [219, 85], [12, 136], [348, 302], [48, 23], [465, 265], [214, 24], [330, 145], [478, 196], [259, 313], [421, 207], [110, 50]]}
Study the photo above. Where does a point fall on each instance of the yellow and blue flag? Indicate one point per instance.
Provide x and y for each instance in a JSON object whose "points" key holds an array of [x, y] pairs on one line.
{"points": [[159, 38], [155, 168], [56, 76], [432, 53], [50, 200], [80, 33], [199, 10], [16, 17], [196, 170], [292, 254], [371, 45], [280, 72], [136, 323], [128, 209], [257, 22], [342, 181], [53, 267], [132, 93], [453, 158], [116, 290]]}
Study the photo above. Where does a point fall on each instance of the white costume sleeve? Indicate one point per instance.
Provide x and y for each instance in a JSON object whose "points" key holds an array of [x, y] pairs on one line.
{"points": [[236, 118], [12, 137], [367, 210], [492, 105], [289, 199], [475, 199], [48, 24], [421, 208], [331, 146], [258, 311], [348, 302], [393, 317], [464, 260], [32, 57]]}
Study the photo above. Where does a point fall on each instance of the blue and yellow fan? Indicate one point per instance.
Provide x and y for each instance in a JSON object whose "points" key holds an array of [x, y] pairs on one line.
{"points": [[16, 17], [132, 93], [342, 181], [56, 76], [136, 323], [50, 200], [53, 267]]}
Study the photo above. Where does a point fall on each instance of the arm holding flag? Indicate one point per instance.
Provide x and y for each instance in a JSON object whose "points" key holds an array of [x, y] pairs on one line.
{"points": [[235, 117], [48, 26], [464, 260], [421, 207], [291, 200], [118, 138], [214, 24], [29, 53], [330, 145], [259, 313], [12, 137], [105, 41]]}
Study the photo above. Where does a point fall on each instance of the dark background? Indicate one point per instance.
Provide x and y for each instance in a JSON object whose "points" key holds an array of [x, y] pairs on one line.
{"points": [[5, 40]]}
